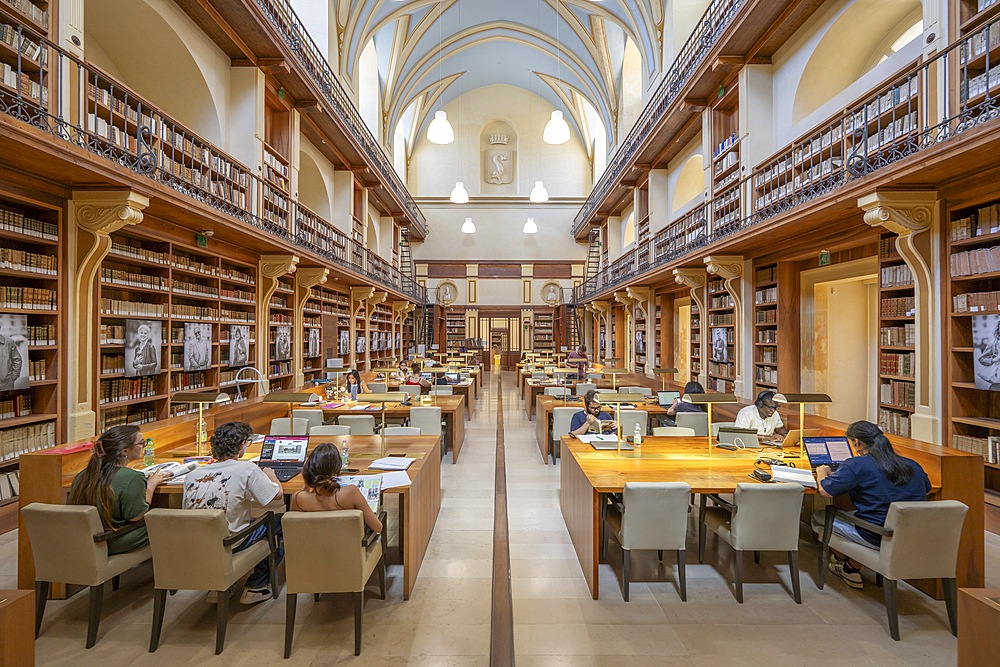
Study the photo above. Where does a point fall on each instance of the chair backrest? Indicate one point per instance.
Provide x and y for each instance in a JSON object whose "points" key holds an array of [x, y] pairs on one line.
{"points": [[441, 390], [558, 391], [427, 419], [606, 391], [359, 424], [924, 541], [583, 387], [656, 515], [401, 430], [629, 418], [330, 429], [767, 517], [717, 425], [696, 420], [312, 416], [286, 426], [188, 553], [645, 391], [378, 387], [323, 551], [674, 431], [539, 375], [62, 543], [411, 389], [561, 419]]}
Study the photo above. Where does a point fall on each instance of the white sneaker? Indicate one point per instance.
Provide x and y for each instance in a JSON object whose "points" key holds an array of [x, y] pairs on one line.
{"points": [[850, 575], [251, 596]]}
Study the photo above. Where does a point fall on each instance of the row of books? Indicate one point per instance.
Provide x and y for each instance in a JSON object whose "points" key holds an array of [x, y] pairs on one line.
{"points": [[904, 306], [129, 279], [769, 355], [117, 135], [767, 336], [983, 222], [896, 363], [898, 393], [21, 439], [112, 364], [186, 381], [18, 405], [132, 308], [20, 41], [905, 335], [768, 275], [887, 248], [884, 103], [891, 421], [766, 295], [185, 311], [719, 385], [235, 275], [136, 252], [278, 302], [976, 302], [988, 448], [40, 334], [766, 374], [194, 265], [30, 262], [238, 316], [720, 319], [36, 370], [27, 86], [126, 389], [769, 316], [724, 301], [238, 295], [898, 275], [974, 262], [27, 298], [979, 43], [39, 15], [278, 319], [131, 414], [112, 334], [10, 485], [12, 220], [194, 289], [280, 368], [818, 143], [978, 85]]}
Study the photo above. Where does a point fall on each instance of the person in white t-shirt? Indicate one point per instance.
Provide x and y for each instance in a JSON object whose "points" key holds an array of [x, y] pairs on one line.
{"points": [[231, 484], [762, 415]]}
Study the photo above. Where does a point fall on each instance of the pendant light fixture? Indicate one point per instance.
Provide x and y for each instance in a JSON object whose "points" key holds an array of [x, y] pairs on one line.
{"points": [[530, 227], [459, 195], [556, 130], [439, 131], [538, 194], [468, 227]]}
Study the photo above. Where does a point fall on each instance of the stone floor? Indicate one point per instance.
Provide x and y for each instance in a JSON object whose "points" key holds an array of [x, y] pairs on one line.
{"points": [[446, 621]]}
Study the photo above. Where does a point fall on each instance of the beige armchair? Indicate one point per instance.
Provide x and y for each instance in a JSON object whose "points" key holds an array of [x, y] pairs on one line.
{"points": [[289, 426], [330, 429], [919, 541], [762, 517], [561, 420], [427, 419], [583, 387], [629, 418], [673, 431], [312, 416], [70, 546], [193, 550], [359, 424], [652, 515], [327, 552], [401, 430], [696, 420]]}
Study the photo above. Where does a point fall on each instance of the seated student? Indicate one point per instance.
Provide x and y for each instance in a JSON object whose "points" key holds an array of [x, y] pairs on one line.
{"points": [[762, 415], [681, 406], [354, 384], [591, 413], [578, 359], [231, 484], [414, 378], [401, 372], [873, 479], [323, 491], [120, 494]]}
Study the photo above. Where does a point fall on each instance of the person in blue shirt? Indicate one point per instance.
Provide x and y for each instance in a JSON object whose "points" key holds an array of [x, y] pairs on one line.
{"points": [[590, 414], [874, 478]]}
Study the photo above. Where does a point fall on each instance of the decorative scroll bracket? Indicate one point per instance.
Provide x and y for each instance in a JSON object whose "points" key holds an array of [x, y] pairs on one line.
{"points": [[601, 310], [694, 280], [359, 303], [730, 269], [914, 215], [628, 308], [305, 280], [400, 310], [270, 268], [643, 299]]}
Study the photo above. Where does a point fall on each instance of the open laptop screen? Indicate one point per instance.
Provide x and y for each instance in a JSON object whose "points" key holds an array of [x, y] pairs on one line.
{"points": [[453, 377], [827, 450], [667, 398], [287, 449]]}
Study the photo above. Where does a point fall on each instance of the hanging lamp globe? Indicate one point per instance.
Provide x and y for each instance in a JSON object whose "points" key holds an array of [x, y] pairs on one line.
{"points": [[530, 227], [468, 227], [439, 131], [538, 194], [459, 195], [556, 130]]}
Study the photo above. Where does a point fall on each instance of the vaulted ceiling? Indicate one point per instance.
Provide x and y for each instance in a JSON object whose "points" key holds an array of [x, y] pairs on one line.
{"points": [[431, 51]]}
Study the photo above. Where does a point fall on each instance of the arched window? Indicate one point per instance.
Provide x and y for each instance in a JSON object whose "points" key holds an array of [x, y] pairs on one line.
{"points": [[631, 94], [628, 231], [368, 90]]}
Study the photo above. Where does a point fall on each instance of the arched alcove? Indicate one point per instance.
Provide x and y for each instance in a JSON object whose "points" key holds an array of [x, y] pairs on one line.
{"points": [[628, 231], [631, 88], [368, 89], [690, 182], [314, 191], [373, 236], [499, 155]]}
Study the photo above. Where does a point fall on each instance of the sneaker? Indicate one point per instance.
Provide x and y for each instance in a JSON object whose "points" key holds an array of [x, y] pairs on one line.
{"points": [[253, 596], [850, 575], [212, 597]]}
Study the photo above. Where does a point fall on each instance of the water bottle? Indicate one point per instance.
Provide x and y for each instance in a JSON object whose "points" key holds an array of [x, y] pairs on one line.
{"points": [[637, 436], [148, 453], [345, 456]]}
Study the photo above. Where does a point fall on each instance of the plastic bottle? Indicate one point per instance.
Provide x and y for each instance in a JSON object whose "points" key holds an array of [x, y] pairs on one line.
{"points": [[345, 456], [637, 437], [148, 453]]}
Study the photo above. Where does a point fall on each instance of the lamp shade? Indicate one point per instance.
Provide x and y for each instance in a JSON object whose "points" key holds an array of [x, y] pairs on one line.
{"points": [[538, 194], [439, 131], [530, 227], [556, 130], [468, 227], [459, 195]]}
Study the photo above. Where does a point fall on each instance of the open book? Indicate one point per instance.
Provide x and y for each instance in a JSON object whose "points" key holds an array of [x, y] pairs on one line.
{"points": [[391, 463], [176, 469], [370, 486]]}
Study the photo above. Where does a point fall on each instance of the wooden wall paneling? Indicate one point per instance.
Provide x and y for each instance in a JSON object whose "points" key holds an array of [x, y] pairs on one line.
{"points": [[789, 352]]}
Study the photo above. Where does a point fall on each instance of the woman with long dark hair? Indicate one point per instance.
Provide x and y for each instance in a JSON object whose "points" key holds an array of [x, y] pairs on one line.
{"points": [[873, 479], [120, 494], [680, 406], [354, 384], [324, 492]]}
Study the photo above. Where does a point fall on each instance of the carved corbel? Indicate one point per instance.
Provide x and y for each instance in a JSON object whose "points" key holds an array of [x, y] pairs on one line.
{"points": [[305, 280], [628, 308], [400, 309], [642, 298], [730, 269], [694, 280], [269, 269], [601, 310]]}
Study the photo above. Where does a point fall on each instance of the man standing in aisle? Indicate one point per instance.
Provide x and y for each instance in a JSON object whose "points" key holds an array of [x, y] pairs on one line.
{"points": [[762, 415], [578, 359]]}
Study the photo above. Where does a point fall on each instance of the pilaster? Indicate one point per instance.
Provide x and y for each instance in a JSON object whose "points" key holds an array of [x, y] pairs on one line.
{"points": [[695, 279], [643, 299], [400, 310], [269, 269], [628, 310], [601, 310], [305, 280], [730, 269]]}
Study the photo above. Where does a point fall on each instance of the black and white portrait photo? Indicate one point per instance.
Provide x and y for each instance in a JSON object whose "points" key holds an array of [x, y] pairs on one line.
{"points": [[239, 345], [283, 343], [359, 344], [313, 346], [13, 352], [197, 346], [143, 339], [720, 345], [344, 344], [986, 351]]}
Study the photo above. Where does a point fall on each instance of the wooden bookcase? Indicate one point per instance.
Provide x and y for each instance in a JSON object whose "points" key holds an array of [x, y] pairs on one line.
{"points": [[897, 313], [971, 15], [24, 58], [379, 347], [658, 334], [281, 348], [776, 327], [639, 342], [542, 332], [696, 359], [722, 357], [726, 205], [973, 284], [455, 326], [274, 200]]}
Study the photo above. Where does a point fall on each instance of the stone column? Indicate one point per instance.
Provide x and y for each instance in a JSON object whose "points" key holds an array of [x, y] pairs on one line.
{"points": [[730, 269], [643, 299], [600, 311], [305, 279], [270, 268], [694, 279], [628, 315]]}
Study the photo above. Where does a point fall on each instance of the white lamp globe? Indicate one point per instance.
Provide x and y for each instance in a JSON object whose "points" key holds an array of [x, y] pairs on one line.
{"points": [[538, 194], [468, 227], [530, 227], [439, 131], [556, 130]]}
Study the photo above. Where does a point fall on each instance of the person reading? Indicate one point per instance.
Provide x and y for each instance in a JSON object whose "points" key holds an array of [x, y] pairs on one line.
{"points": [[324, 492], [354, 384], [762, 416], [591, 416]]}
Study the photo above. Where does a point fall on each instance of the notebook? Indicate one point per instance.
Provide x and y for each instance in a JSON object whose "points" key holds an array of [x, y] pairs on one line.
{"points": [[827, 451], [738, 438], [284, 454]]}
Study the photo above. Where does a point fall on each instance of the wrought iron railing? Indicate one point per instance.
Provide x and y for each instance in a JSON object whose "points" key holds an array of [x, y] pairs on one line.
{"points": [[928, 104], [713, 22], [77, 103], [297, 38]]}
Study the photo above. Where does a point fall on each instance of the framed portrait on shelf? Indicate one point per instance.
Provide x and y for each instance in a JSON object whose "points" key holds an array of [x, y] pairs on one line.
{"points": [[344, 342], [239, 345], [197, 346], [143, 342], [720, 345], [283, 343], [313, 347], [14, 352], [986, 351]]}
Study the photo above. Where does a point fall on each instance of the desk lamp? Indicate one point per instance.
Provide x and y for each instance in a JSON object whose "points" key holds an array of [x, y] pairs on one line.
{"points": [[663, 373], [709, 400], [382, 399], [617, 400], [386, 371], [802, 400], [614, 373], [201, 399], [292, 398]]}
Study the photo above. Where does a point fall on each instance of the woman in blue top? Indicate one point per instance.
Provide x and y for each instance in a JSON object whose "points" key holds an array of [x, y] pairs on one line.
{"points": [[874, 478]]}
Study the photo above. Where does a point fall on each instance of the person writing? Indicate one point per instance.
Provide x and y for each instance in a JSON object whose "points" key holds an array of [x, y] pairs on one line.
{"points": [[873, 479], [120, 494], [323, 491], [354, 384], [680, 406], [578, 359], [590, 416], [762, 416], [401, 372], [414, 378]]}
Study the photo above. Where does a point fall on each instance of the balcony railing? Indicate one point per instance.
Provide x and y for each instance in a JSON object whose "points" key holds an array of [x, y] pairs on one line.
{"points": [[713, 23], [77, 103], [930, 103], [297, 38]]}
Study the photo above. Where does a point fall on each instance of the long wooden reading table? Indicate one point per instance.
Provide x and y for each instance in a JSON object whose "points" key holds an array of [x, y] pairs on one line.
{"points": [[466, 388]]}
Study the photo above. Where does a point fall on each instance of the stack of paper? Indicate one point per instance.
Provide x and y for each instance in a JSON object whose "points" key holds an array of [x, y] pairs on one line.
{"points": [[801, 476], [391, 463]]}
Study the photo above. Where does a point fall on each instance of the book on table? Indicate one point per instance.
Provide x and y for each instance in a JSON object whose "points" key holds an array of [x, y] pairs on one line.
{"points": [[391, 463], [369, 485], [176, 469]]}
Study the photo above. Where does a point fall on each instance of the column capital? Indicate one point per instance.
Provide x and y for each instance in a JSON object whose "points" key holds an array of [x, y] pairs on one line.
{"points": [[275, 266], [362, 293], [102, 212], [693, 278], [312, 276], [900, 211], [624, 298], [599, 307], [729, 267]]}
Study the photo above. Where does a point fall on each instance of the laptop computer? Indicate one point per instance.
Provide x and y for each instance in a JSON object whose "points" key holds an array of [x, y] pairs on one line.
{"points": [[667, 398], [284, 454], [604, 445], [791, 438], [827, 450], [738, 438], [453, 378]]}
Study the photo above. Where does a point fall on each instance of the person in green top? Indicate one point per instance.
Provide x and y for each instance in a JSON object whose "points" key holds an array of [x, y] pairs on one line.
{"points": [[120, 494]]}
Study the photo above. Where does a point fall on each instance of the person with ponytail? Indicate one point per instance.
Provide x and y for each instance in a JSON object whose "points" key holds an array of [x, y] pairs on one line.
{"points": [[120, 494], [873, 479], [323, 491]]}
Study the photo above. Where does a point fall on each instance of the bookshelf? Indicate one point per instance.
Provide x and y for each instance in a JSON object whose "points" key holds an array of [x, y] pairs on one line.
{"points": [[972, 15], [978, 58], [897, 322], [695, 342], [543, 339], [280, 328], [639, 346], [776, 327], [31, 296], [455, 326], [973, 285], [380, 345], [274, 201], [721, 330], [726, 170], [24, 57]]}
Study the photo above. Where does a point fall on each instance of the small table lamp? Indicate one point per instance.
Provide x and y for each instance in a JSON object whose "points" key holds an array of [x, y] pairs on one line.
{"points": [[617, 400], [663, 373], [382, 399], [201, 399], [709, 400], [614, 373], [802, 400]]}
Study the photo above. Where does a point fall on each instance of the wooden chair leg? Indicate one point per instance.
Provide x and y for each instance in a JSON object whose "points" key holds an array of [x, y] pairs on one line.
{"points": [[626, 558], [116, 582], [756, 557], [738, 574], [94, 616], [315, 597], [891, 607], [272, 573], [41, 597], [701, 528], [381, 575], [824, 558], [221, 620], [682, 574], [290, 600], [604, 540], [793, 570], [951, 601], [878, 579], [359, 613], [659, 555], [159, 606]]}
